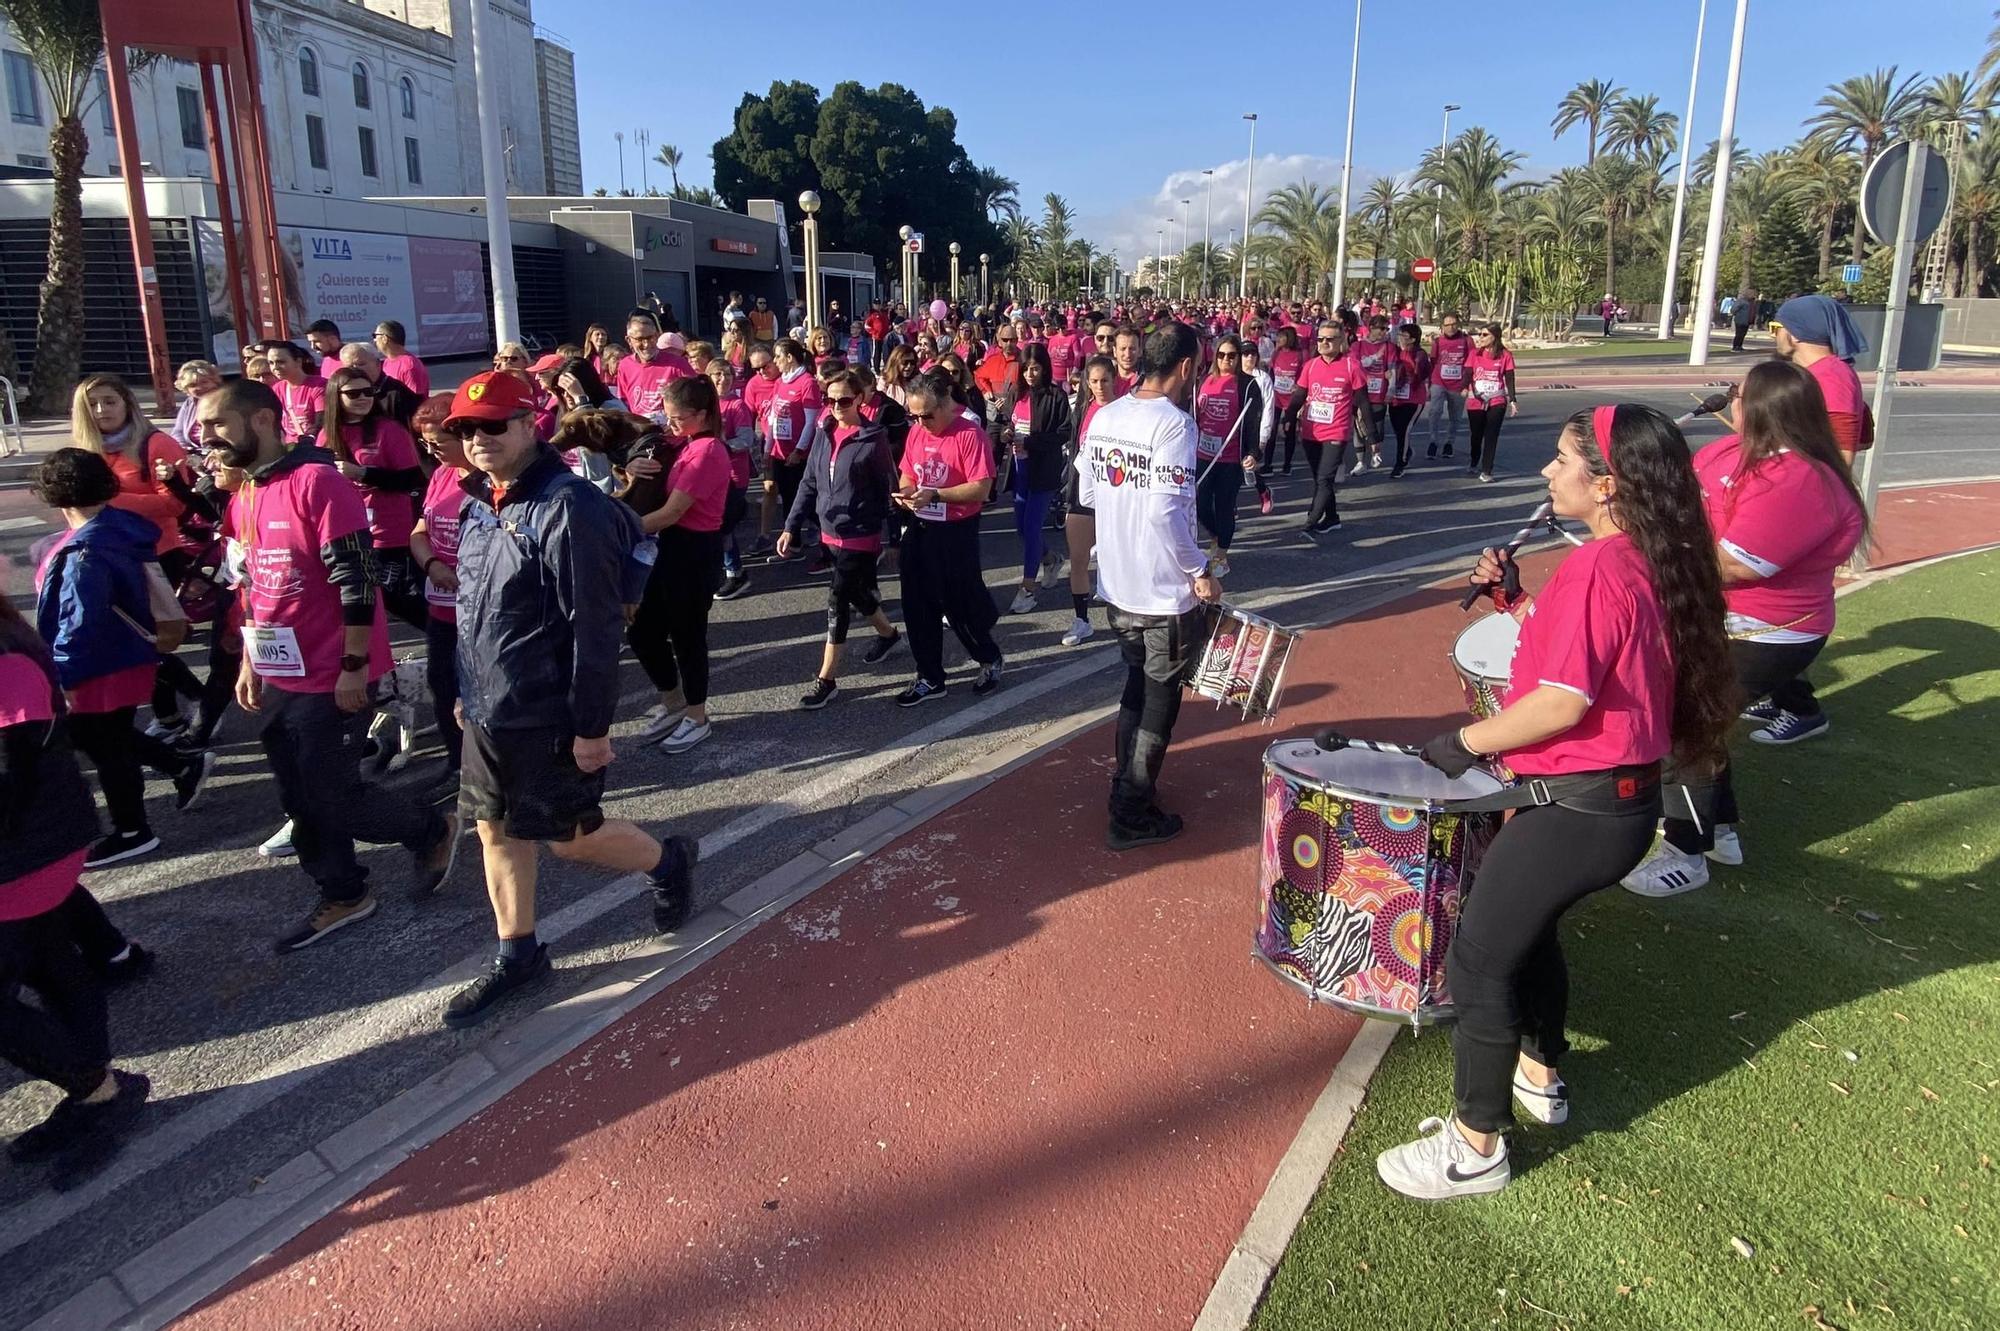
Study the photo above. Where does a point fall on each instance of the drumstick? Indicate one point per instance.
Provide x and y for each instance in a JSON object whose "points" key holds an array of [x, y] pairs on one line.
{"points": [[1544, 515], [1330, 740], [1224, 444]]}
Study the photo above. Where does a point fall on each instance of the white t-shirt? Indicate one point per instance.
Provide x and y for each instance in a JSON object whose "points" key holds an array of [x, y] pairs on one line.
{"points": [[1137, 469]]}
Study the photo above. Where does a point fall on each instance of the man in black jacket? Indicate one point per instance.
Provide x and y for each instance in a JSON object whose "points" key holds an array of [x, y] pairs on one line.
{"points": [[542, 573]]}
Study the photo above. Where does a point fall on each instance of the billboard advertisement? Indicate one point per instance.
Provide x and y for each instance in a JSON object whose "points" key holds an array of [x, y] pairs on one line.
{"points": [[435, 288]]}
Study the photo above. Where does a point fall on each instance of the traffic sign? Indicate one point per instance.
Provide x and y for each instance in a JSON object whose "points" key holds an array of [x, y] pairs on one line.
{"points": [[1380, 270], [1423, 269], [1851, 273], [1882, 193], [916, 244]]}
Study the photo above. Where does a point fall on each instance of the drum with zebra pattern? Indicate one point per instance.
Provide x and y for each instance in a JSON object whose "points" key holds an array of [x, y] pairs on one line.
{"points": [[1362, 869]]}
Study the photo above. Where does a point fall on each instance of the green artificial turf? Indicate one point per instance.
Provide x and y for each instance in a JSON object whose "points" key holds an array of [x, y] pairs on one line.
{"points": [[1803, 1056], [1634, 346]]}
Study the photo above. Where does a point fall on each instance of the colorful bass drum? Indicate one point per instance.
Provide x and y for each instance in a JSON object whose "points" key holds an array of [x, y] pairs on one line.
{"points": [[1362, 870]]}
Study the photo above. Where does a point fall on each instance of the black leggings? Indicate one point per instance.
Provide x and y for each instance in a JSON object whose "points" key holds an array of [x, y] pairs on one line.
{"points": [[441, 673], [1215, 501], [1400, 416], [1288, 422], [1482, 430], [1509, 983], [1774, 670], [669, 634], [118, 749], [64, 1037]]}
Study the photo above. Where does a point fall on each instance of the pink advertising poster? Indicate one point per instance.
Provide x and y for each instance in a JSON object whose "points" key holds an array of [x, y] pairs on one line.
{"points": [[449, 285]]}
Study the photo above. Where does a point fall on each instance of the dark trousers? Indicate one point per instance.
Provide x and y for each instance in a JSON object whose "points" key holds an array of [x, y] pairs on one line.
{"points": [[942, 583], [1156, 649], [1377, 415], [1736, 342], [119, 749], [852, 591], [1400, 416], [314, 750], [669, 634], [1482, 430], [225, 660], [786, 476], [1774, 670], [733, 509], [1031, 513], [1215, 501], [441, 673], [1509, 983], [64, 1037], [1288, 423], [1325, 460]]}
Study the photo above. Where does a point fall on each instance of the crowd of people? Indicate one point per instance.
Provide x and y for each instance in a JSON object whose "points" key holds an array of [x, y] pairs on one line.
{"points": [[556, 509]]}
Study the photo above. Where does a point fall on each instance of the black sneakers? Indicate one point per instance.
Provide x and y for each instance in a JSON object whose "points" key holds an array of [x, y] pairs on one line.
{"points": [[819, 695], [187, 786], [673, 891], [120, 846], [920, 692], [127, 966], [1150, 828], [881, 647], [433, 863], [82, 1138], [732, 587], [988, 678], [474, 1003]]}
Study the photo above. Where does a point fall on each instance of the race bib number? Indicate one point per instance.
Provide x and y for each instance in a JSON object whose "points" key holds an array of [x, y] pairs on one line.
{"points": [[1451, 373], [1284, 383], [781, 426], [274, 651], [1486, 385], [1375, 382], [1320, 413], [1207, 444]]}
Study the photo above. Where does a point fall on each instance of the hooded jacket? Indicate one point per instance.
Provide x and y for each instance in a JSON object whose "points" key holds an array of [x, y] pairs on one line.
{"points": [[847, 493], [94, 609]]}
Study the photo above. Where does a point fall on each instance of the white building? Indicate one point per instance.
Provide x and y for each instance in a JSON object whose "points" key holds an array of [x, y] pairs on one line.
{"points": [[361, 100]]}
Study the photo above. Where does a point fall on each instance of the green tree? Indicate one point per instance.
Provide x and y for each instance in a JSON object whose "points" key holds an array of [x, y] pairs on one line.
{"points": [[1757, 193], [1989, 64], [1825, 181], [1976, 205], [1638, 126], [768, 150], [670, 157], [1297, 215], [1620, 188], [998, 195], [1381, 208], [1587, 104], [1471, 171], [1861, 113]]}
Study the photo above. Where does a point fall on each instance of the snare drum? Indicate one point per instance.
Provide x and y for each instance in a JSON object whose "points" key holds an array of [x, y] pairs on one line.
{"points": [[1244, 663], [1483, 656], [1362, 869]]}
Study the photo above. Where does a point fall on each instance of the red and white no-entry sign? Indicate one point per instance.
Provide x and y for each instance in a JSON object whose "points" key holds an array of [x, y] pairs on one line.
{"points": [[1423, 269]]}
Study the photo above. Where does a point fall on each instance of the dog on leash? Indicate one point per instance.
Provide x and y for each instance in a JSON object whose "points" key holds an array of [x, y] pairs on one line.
{"points": [[397, 697]]}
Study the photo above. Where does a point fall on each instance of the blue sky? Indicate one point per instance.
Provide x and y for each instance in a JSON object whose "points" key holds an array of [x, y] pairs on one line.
{"points": [[1025, 82]]}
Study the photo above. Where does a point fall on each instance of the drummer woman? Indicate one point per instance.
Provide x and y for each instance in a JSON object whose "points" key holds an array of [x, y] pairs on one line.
{"points": [[1621, 660], [1785, 515]]}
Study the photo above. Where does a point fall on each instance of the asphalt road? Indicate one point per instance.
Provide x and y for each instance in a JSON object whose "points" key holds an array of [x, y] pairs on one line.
{"points": [[254, 1057]]}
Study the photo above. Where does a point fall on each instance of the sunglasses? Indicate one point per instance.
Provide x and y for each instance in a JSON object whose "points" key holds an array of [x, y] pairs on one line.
{"points": [[465, 430], [1006, 341], [841, 401], [1326, 341], [357, 392], [1229, 355]]}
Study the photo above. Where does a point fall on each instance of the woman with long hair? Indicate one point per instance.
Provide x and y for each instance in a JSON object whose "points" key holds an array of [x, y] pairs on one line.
{"points": [[1034, 421], [1228, 414], [897, 370], [373, 450], [1286, 363], [1409, 388], [927, 351], [1785, 515], [739, 436], [1490, 400], [301, 389], [1621, 662], [595, 339], [576, 386]]}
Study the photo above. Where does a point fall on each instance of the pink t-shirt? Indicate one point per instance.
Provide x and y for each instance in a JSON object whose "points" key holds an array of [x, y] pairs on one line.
{"points": [[757, 396], [295, 610], [785, 418], [640, 385], [739, 435], [1062, 357], [1374, 358], [390, 516], [443, 499], [1597, 630], [1845, 408], [702, 469], [409, 371], [328, 364], [1488, 374], [304, 406], [1331, 388], [1448, 357], [1215, 410], [939, 462], [1285, 365], [1790, 520], [1410, 377]]}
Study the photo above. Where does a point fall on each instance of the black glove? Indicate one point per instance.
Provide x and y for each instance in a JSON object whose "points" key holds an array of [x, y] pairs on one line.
{"points": [[1508, 594], [1447, 753]]}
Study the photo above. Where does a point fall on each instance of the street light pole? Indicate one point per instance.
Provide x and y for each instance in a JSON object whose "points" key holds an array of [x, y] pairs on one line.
{"points": [[1347, 165], [619, 135], [809, 205], [1718, 203], [1249, 174], [985, 287], [499, 225], [909, 296], [1681, 187], [642, 140], [954, 272], [1437, 213], [1180, 269], [1159, 261], [1207, 230]]}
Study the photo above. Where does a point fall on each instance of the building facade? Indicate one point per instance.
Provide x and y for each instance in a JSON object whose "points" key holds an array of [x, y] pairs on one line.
{"points": [[562, 142]]}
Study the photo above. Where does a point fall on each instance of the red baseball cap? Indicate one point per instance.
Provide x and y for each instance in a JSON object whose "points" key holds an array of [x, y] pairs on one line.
{"points": [[548, 362], [496, 395]]}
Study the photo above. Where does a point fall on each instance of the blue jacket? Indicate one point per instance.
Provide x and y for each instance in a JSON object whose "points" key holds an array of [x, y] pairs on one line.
{"points": [[846, 495], [542, 588], [98, 573]]}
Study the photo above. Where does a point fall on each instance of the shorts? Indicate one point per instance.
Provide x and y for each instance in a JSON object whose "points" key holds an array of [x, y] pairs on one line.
{"points": [[528, 782]]}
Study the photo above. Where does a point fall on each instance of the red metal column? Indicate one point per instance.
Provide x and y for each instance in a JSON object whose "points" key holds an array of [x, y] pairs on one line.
{"points": [[118, 83], [218, 161], [256, 164]]}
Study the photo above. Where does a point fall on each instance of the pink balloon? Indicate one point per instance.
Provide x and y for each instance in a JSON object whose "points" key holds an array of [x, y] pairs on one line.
{"points": [[939, 309]]}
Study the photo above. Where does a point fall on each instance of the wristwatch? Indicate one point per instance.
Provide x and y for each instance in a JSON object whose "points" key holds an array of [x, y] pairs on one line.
{"points": [[349, 664]]}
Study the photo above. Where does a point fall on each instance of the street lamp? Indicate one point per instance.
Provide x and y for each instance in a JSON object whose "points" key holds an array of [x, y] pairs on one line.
{"points": [[642, 140], [1347, 165], [1718, 200], [985, 288], [1178, 269], [809, 205], [1207, 233], [909, 296], [1437, 214], [619, 135], [1681, 187], [1159, 260], [1249, 174], [954, 272]]}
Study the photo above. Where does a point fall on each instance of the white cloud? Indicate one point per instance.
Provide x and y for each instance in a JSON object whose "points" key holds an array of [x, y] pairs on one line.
{"points": [[1130, 230]]}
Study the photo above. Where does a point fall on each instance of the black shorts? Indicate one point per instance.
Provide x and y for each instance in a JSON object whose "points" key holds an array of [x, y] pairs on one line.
{"points": [[528, 782]]}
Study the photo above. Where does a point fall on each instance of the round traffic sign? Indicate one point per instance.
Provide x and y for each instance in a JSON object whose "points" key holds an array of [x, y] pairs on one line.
{"points": [[1882, 193], [1423, 269]]}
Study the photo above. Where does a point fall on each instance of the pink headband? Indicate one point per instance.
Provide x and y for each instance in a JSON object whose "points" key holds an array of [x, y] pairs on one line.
{"points": [[1600, 425]]}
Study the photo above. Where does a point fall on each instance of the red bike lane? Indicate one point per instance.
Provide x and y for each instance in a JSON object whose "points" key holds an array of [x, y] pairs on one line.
{"points": [[993, 1076]]}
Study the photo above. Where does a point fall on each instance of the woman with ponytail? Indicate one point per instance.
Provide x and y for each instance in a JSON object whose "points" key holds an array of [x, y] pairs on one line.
{"points": [[1621, 661]]}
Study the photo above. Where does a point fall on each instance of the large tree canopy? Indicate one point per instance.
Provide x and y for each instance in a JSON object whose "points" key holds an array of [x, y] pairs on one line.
{"points": [[879, 160]]}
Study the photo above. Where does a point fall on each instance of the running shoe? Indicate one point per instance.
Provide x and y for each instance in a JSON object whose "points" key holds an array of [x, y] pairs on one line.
{"points": [[1728, 848], [673, 890], [433, 863], [188, 785], [920, 692], [1790, 728], [1023, 602], [819, 695], [881, 647], [119, 846], [1545, 1104], [326, 917], [1432, 451], [166, 727], [1486, 478], [82, 1131], [686, 735], [988, 678], [1763, 712], [732, 587], [475, 1002], [1667, 873], [1441, 1164], [1149, 829], [1447, 450], [278, 845], [1079, 632], [126, 965], [1265, 503], [1051, 569], [1396, 472], [660, 721]]}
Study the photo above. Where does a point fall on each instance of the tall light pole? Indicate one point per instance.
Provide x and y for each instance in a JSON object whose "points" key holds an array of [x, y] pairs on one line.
{"points": [[619, 135], [985, 287], [1159, 260], [809, 205], [1207, 231], [1718, 203], [1681, 187], [643, 139], [1249, 174], [1180, 270], [909, 295], [1347, 165], [954, 272], [499, 226], [1437, 213]]}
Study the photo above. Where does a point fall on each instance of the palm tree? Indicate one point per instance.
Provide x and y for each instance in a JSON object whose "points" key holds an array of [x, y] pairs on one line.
{"points": [[1950, 99], [1203, 261], [1824, 183], [1754, 193], [1640, 127], [1862, 112], [1471, 171], [670, 157], [1977, 202], [1586, 104], [1620, 188], [1057, 218], [998, 196], [64, 40], [1989, 64], [1380, 208], [1293, 215]]}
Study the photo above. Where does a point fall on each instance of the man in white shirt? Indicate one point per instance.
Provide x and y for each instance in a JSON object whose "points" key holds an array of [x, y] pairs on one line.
{"points": [[1136, 468]]}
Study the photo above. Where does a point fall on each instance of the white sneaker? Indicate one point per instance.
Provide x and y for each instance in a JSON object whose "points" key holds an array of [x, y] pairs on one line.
{"points": [[1023, 602], [1545, 1104], [659, 721], [1219, 566], [1051, 569], [1728, 846], [1441, 1164], [1667, 873], [1079, 632], [278, 845], [686, 735]]}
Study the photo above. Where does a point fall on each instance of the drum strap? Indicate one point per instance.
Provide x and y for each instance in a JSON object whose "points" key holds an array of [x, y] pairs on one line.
{"points": [[1614, 790]]}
